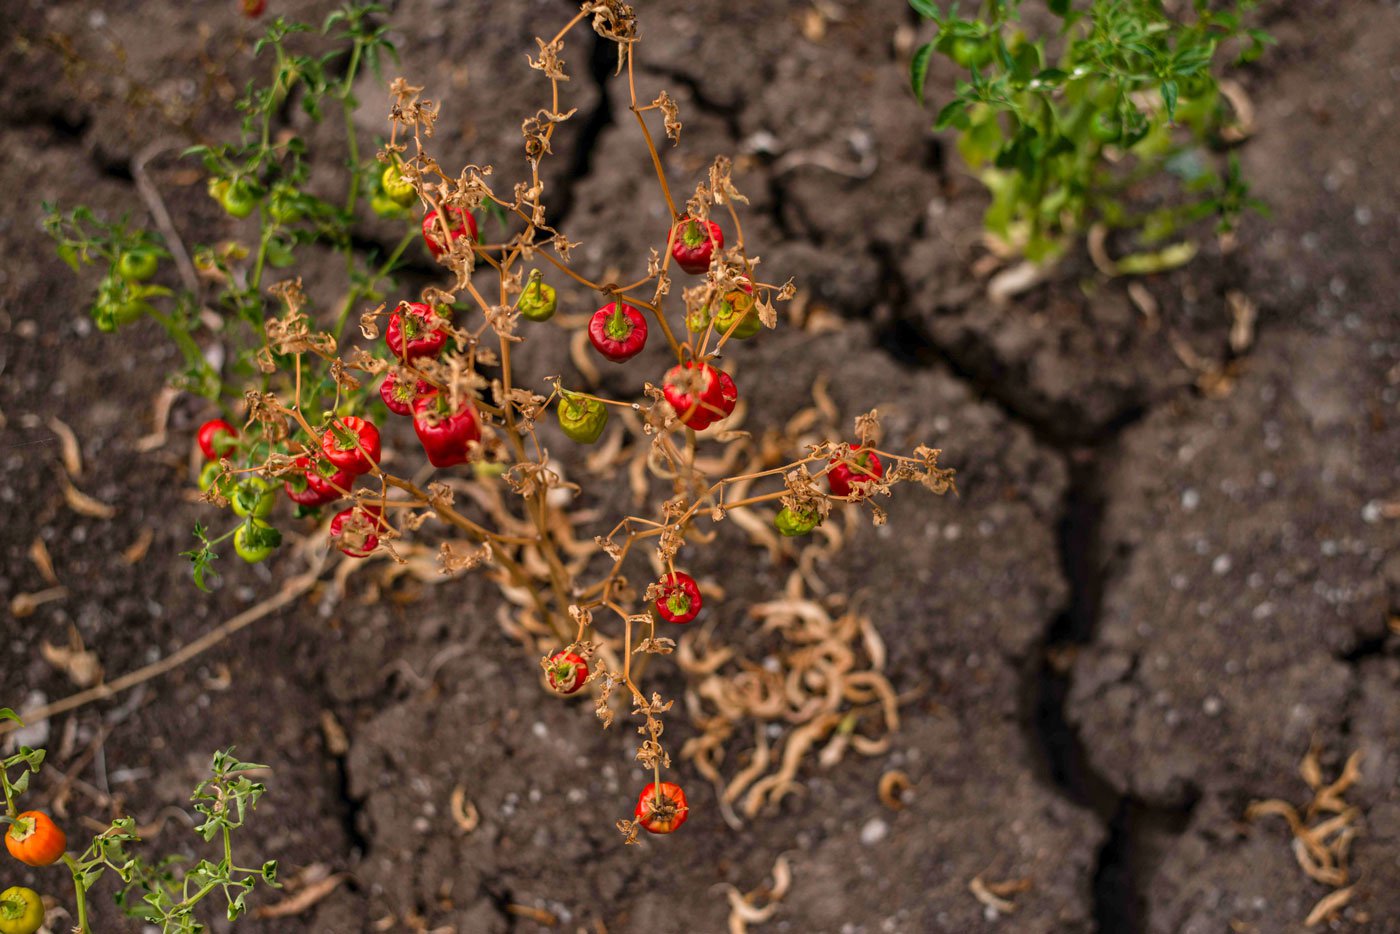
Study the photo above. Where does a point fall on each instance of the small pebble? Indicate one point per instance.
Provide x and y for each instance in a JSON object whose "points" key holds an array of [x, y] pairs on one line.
{"points": [[874, 831]]}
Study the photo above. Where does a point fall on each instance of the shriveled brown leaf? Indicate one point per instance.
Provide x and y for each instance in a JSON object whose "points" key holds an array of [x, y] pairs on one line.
{"points": [[1274, 808], [744, 908], [464, 813], [39, 554], [25, 604], [894, 787], [134, 552], [83, 504], [220, 680], [80, 665], [1097, 242], [1240, 102], [337, 743], [540, 916], [1328, 906], [1147, 304], [1311, 770], [1243, 313], [1329, 798], [982, 892], [165, 399], [302, 900], [72, 452]]}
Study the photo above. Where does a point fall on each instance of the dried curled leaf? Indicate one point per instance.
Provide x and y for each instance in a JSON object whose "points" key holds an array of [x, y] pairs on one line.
{"points": [[83, 504], [464, 813], [671, 115]]}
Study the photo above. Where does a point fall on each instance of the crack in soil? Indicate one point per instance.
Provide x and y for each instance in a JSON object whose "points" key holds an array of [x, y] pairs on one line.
{"points": [[501, 899], [601, 59], [1125, 860], [351, 810], [1136, 830], [66, 131]]}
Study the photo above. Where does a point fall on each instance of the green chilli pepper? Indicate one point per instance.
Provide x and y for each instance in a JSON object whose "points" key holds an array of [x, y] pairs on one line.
{"points": [[793, 524], [539, 301], [583, 419], [253, 497]]}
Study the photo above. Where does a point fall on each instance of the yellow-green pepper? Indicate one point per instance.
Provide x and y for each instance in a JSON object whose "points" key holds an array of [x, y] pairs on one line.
{"points": [[21, 911], [793, 524], [737, 305], [538, 301], [397, 188], [582, 418]]}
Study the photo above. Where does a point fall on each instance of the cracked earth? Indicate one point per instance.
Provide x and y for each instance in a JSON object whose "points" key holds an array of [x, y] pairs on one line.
{"points": [[1145, 606]]}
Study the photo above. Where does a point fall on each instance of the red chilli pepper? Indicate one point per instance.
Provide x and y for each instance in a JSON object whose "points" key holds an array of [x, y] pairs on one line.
{"points": [[700, 394], [432, 230], [618, 331], [728, 393], [353, 530], [566, 672], [446, 436], [842, 476], [413, 332], [313, 488], [324, 478], [662, 808], [351, 444], [693, 243], [396, 395], [216, 438], [680, 599]]}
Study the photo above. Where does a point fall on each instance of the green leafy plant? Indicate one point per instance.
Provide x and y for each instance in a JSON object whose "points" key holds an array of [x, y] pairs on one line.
{"points": [[159, 892], [1066, 129]]}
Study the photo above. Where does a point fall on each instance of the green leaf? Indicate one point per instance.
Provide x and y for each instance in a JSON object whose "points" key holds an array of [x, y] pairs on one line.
{"points": [[90, 877], [918, 70], [953, 114], [927, 9], [1169, 95], [1191, 60], [8, 714], [279, 253], [69, 256], [1058, 7], [201, 558], [1060, 145], [1025, 62]]}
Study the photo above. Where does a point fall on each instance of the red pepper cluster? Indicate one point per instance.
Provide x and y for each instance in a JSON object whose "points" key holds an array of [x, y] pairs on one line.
{"points": [[700, 394]]}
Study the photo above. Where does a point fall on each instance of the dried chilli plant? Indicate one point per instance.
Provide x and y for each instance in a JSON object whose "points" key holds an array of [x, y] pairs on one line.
{"points": [[499, 502]]}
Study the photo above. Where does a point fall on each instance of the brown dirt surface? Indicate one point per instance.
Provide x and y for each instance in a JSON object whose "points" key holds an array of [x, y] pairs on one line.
{"points": [[1152, 595]]}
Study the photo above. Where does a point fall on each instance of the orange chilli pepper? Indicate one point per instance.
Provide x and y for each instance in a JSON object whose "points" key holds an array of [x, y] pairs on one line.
{"points": [[35, 839]]}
